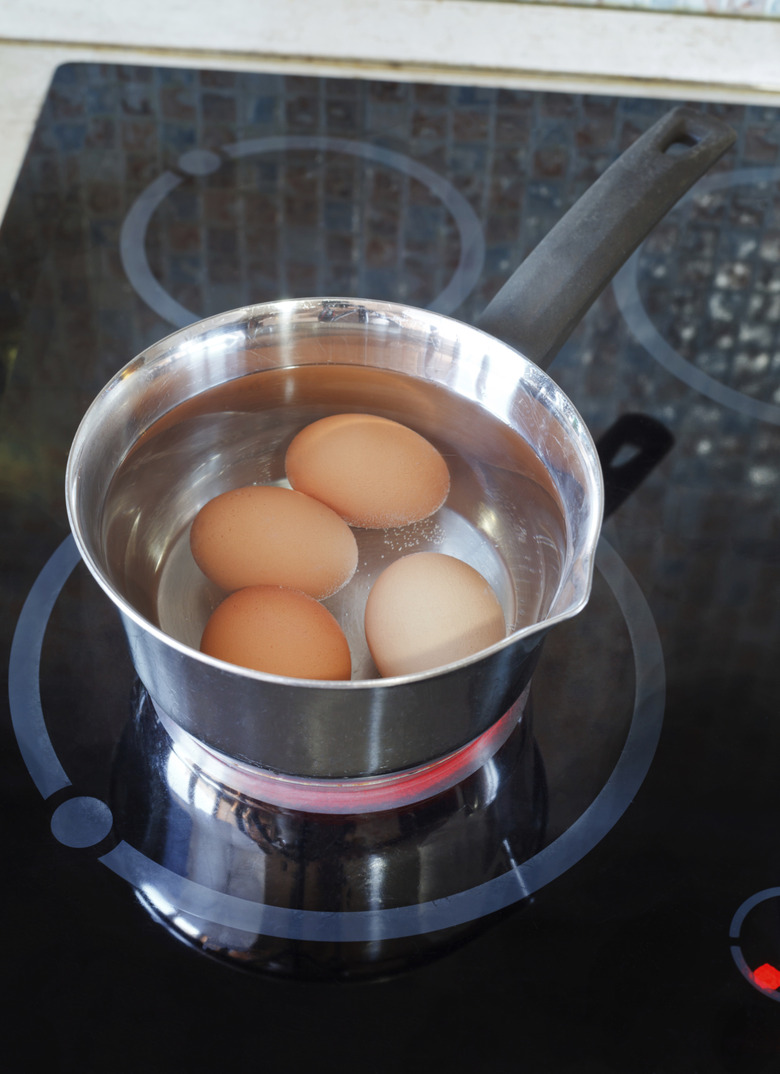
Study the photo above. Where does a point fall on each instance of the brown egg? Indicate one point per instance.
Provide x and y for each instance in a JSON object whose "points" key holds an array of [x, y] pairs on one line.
{"points": [[374, 472], [430, 609], [264, 535], [279, 631]]}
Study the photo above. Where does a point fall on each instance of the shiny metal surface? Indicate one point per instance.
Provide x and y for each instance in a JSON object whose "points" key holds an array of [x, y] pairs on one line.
{"points": [[214, 405], [275, 890]]}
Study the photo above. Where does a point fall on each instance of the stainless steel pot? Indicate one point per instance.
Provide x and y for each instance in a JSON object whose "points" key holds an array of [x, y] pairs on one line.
{"points": [[214, 406]]}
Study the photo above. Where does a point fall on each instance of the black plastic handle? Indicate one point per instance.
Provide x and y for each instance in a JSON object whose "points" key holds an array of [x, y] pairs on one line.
{"points": [[541, 304]]}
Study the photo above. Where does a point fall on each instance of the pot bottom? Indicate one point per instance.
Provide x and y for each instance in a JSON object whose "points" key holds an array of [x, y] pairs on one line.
{"points": [[366, 794]]}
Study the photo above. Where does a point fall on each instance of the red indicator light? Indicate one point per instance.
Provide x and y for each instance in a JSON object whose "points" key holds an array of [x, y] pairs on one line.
{"points": [[767, 976]]}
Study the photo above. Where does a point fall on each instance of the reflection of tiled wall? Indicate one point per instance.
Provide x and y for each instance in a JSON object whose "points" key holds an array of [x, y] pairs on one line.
{"points": [[769, 8], [270, 225], [291, 224], [273, 225]]}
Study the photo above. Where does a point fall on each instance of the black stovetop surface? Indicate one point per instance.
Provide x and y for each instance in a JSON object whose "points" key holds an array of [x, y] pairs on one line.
{"points": [[642, 933]]}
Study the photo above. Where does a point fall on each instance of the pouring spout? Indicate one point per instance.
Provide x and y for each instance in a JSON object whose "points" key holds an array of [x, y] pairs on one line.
{"points": [[539, 306]]}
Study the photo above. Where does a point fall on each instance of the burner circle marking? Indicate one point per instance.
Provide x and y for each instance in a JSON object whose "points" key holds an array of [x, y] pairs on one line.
{"points": [[81, 822], [395, 922], [626, 289], [132, 242], [735, 931], [24, 693]]}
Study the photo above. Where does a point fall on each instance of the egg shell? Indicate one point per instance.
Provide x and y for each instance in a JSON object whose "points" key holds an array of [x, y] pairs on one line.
{"points": [[427, 610], [279, 631], [374, 472], [266, 535]]}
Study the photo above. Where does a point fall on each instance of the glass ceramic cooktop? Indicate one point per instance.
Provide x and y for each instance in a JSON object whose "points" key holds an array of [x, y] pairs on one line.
{"points": [[603, 892]]}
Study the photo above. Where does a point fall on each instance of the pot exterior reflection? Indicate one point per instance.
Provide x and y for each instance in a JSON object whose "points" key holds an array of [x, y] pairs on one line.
{"points": [[364, 730]]}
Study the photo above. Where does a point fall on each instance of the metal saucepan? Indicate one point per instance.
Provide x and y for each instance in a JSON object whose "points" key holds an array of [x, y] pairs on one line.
{"points": [[214, 405]]}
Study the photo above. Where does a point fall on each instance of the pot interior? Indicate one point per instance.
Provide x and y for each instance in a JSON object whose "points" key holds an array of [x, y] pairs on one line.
{"points": [[214, 407]]}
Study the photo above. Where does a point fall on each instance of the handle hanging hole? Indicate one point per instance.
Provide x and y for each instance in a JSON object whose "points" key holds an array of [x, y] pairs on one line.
{"points": [[679, 144]]}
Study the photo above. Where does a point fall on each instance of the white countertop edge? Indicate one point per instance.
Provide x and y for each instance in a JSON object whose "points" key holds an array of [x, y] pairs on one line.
{"points": [[463, 33], [574, 49]]}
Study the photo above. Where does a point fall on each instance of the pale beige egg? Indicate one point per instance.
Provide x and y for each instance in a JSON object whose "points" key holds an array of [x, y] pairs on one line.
{"points": [[373, 472], [427, 610], [278, 631], [265, 535]]}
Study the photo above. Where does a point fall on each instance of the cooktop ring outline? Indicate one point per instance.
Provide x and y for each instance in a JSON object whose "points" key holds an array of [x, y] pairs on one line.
{"points": [[523, 880], [735, 935], [132, 241], [626, 289]]}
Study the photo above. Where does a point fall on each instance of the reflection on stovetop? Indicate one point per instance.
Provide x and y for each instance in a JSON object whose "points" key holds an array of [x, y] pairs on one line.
{"points": [[305, 894]]}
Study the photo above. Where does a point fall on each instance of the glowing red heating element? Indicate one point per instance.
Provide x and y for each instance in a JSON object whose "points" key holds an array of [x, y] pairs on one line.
{"points": [[352, 795], [767, 976]]}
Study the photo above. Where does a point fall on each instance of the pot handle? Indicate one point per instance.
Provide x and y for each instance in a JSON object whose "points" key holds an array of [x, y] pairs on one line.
{"points": [[539, 306]]}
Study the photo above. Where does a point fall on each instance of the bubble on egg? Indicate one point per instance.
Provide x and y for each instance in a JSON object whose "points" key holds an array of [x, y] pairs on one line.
{"points": [[375, 473], [427, 610], [278, 631], [267, 535]]}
